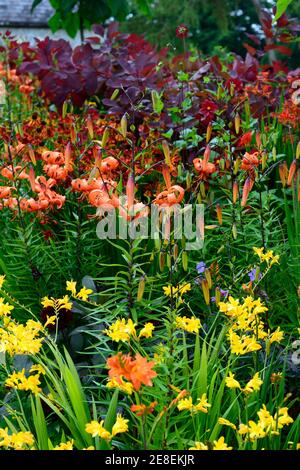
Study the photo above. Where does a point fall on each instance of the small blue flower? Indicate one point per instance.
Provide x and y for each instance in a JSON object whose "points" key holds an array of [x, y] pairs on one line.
{"points": [[201, 267], [252, 274]]}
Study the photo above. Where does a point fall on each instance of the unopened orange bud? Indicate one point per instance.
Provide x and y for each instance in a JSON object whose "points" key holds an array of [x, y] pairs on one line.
{"points": [[167, 175], [283, 173], [235, 192], [237, 123], [175, 251], [130, 192], [68, 154], [219, 213], [208, 132], [292, 172], [207, 154], [31, 154], [205, 290], [166, 151], [161, 260], [246, 190], [258, 139], [73, 134], [89, 125]]}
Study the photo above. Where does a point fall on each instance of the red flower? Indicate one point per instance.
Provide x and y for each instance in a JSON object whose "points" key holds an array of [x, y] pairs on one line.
{"points": [[207, 111], [182, 31], [245, 139]]}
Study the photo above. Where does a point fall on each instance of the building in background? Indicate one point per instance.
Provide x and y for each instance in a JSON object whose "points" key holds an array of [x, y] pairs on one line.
{"points": [[15, 16]]}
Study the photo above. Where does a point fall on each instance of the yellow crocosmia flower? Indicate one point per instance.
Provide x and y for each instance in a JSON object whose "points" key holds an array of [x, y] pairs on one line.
{"points": [[64, 303], [20, 440], [147, 330], [19, 381], [71, 287], [20, 339], [283, 418], [276, 336], [225, 422], [50, 320], [231, 382], [5, 308], [259, 252], [199, 446], [121, 330], [202, 405], [168, 290], [298, 446], [65, 445], [266, 420], [120, 425], [185, 404], [84, 293], [184, 288], [243, 429], [126, 387], [191, 325], [274, 260], [46, 302], [37, 368], [89, 448], [97, 429], [254, 384], [2, 279], [256, 431], [220, 444]]}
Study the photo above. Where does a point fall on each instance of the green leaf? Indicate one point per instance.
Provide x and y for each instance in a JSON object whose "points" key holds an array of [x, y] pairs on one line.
{"points": [[71, 24], [281, 7], [54, 22], [35, 3]]}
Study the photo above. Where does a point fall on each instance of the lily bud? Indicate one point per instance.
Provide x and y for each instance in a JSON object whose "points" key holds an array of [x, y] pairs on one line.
{"points": [[298, 151], [274, 154], [246, 190], [124, 126], [105, 137], [31, 154], [258, 139], [208, 132], [222, 164], [207, 153], [175, 251], [208, 277], [202, 189], [166, 151], [217, 295], [141, 289], [185, 260], [219, 213], [161, 260], [73, 134], [264, 160], [237, 123], [234, 231], [283, 173], [115, 94], [236, 166], [235, 192], [205, 290], [292, 172], [89, 125]]}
